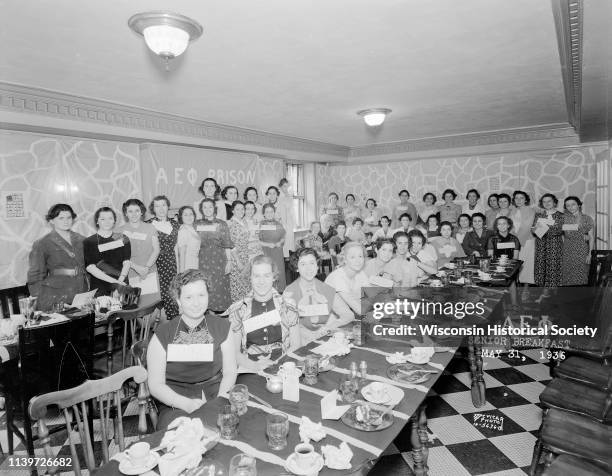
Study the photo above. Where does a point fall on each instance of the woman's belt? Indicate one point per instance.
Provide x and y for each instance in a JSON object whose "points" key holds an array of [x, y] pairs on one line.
{"points": [[214, 379], [255, 349], [67, 271]]}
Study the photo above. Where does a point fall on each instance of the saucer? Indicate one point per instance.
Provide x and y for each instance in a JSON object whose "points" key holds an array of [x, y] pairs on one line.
{"points": [[126, 466], [291, 466], [420, 361]]}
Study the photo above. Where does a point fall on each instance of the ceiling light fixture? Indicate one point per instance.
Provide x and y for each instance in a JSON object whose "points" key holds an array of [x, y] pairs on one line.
{"points": [[374, 117], [167, 34]]}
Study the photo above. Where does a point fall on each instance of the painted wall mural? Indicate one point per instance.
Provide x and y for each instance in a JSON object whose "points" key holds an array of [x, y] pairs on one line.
{"points": [[563, 173]]}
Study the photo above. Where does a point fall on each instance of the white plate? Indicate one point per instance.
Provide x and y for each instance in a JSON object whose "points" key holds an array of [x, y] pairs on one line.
{"points": [[291, 466], [126, 466], [392, 395], [417, 361]]}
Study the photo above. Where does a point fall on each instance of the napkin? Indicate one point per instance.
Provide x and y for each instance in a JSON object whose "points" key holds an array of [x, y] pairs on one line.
{"points": [[337, 457], [329, 409], [310, 430], [397, 358], [333, 348], [422, 354]]}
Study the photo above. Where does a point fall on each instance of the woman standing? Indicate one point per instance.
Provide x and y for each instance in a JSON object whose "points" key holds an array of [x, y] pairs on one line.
{"points": [[449, 210], [503, 242], [229, 195], [251, 195], [464, 226], [404, 207], [371, 216], [351, 211], [167, 233], [577, 244], [252, 222], [428, 208], [332, 209], [284, 210], [56, 263], [211, 189], [447, 247], [188, 242], [491, 213], [181, 386], [522, 218], [472, 206], [548, 228], [476, 241], [107, 254], [310, 294], [272, 238], [215, 256], [503, 200], [145, 247], [240, 283]]}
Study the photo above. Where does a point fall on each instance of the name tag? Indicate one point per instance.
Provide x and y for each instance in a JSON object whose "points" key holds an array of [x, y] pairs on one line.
{"points": [[569, 227], [314, 310], [268, 228], [270, 318], [207, 227], [110, 246], [382, 282], [505, 246], [332, 212], [189, 353], [135, 235]]}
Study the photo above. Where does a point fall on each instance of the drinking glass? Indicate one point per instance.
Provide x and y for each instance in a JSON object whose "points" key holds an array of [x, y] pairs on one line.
{"points": [[311, 369], [27, 305], [238, 396], [348, 391], [484, 265], [242, 465], [227, 421], [468, 278], [277, 428]]}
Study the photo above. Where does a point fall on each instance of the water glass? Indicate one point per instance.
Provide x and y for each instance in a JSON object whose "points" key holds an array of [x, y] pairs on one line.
{"points": [[357, 333], [277, 428], [238, 397], [311, 369], [27, 305], [227, 421], [468, 278], [348, 391], [484, 265], [242, 465]]}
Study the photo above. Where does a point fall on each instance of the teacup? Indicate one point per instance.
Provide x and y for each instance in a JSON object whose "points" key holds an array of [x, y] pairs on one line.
{"points": [[484, 276], [138, 454], [500, 269], [503, 259], [305, 456]]}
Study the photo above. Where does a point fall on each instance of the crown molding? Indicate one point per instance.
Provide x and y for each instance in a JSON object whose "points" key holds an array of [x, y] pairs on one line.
{"points": [[568, 17], [491, 138], [24, 99]]}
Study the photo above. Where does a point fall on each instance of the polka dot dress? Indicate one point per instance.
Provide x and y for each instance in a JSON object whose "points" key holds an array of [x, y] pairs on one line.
{"points": [[166, 266]]}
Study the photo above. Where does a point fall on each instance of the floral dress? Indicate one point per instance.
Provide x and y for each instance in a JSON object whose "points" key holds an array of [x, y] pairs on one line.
{"points": [[271, 231], [167, 233], [215, 239], [254, 245], [549, 252], [240, 282], [575, 270]]}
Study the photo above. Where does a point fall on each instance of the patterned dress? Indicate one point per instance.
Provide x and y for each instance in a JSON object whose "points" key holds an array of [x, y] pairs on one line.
{"points": [[254, 244], [549, 252], [271, 231], [575, 270], [215, 237], [166, 262], [240, 282]]}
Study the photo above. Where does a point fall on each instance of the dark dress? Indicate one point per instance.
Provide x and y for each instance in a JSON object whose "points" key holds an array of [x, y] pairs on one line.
{"points": [[166, 264], [549, 252], [497, 239], [190, 379], [274, 236], [472, 242], [266, 335], [575, 270], [51, 261], [109, 261], [215, 238]]}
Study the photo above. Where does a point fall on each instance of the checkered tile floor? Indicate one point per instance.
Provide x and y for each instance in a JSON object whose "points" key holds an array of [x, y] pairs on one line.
{"points": [[494, 440]]}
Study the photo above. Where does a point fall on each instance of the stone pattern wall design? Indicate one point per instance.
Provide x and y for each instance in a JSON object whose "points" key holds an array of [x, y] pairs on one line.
{"points": [[83, 173], [568, 172]]}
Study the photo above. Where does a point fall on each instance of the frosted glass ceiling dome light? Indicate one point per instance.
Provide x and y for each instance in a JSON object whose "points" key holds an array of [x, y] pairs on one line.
{"points": [[374, 117], [166, 34]]}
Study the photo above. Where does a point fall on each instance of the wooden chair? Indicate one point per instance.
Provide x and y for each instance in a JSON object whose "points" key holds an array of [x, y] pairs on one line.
{"points": [[566, 465], [104, 393], [567, 433], [601, 264], [138, 353]]}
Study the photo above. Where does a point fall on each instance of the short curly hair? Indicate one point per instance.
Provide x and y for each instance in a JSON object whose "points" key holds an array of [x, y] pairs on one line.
{"points": [[183, 279]]}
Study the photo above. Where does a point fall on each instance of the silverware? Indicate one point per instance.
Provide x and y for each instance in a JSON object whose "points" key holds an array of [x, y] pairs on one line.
{"points": [[260, 400]]}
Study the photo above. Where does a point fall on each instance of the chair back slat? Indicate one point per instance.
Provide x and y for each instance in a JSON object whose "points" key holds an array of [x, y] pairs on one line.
{"points": [[91, 461], [119, 420], [103, 427], [75, 458], [82, 434]]}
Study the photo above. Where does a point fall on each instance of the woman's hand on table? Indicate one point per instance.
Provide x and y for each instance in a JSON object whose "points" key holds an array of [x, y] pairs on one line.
{"points": [[193, 404]]}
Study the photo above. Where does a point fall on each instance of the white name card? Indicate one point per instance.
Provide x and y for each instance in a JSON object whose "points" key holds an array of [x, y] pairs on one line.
{"points": [[110, 246], [505, 246], [207, 227], [314, 310], [189, 353], [270, 318], [135, 235], [570, 227], [382, 282], [329, 409], [332, 212], [267, 227]]}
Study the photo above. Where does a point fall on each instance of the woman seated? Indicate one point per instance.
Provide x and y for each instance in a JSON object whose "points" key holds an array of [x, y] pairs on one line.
{"points": [[349, 278], [464, 226], [265, 324], [447, 247], [409, 270], [476, 241], [503, 242], [385, 230], [405, 223], [336, 242], [383, 265], [431, 227], [423, 254], [355, 232], [191, 359], [319, 307], [313, 238], [327, 231]]}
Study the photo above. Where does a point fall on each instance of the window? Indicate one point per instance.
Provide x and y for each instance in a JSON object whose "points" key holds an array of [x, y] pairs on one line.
{"points": [[295, 175]]}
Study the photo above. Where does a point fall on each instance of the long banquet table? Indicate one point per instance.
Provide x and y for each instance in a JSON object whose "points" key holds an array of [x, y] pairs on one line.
{"points": [[366, 446]]}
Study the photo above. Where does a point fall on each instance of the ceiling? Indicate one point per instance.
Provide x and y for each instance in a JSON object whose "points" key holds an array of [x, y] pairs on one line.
{"points": [[302, 68]]}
